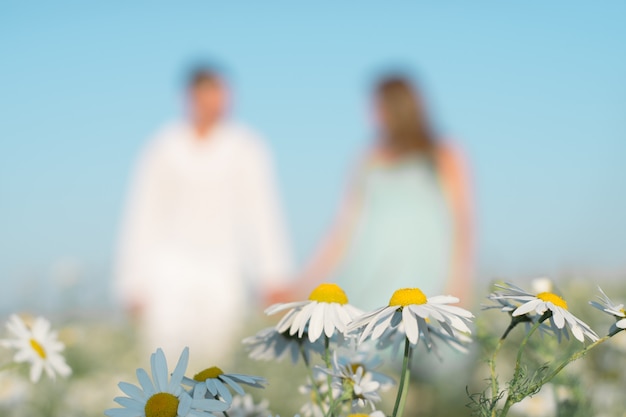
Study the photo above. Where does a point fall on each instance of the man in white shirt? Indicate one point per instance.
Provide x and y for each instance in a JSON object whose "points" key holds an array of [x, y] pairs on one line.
{"points": [[203, 229]]}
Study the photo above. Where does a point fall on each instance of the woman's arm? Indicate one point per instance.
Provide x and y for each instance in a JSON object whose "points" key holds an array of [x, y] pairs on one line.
{"points": [[331, 249], [456, 183]]}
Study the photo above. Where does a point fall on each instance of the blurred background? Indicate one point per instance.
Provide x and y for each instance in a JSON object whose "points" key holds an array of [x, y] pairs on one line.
{"points": [[533, 93]]}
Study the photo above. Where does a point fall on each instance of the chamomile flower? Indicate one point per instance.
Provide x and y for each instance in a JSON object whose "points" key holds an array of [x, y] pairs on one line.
{"points": [[270, 344], [372, 414], [326, 311], [363, 386], [357, 385], [214, 383], [317, 391], [536, 305], [616, 310], [161, 396], [38, 345], [410, 307], [348, 362]]}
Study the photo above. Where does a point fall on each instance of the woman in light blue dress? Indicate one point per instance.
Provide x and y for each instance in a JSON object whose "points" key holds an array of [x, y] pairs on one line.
{"points": [[405, 219]]}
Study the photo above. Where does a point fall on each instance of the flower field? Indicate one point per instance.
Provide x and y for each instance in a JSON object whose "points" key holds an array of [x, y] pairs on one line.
{"points": [[415, 356]]}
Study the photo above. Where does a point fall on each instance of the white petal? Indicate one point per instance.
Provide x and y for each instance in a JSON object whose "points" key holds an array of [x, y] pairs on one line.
{"points": [[316, 323], [577, 332], [455, 310], [285, 323], [273, 309], [382, 326], [442, 299], [410, 325], [380, 315], [179, 371], [557, 313], [527, 308], [131, 390], [330, 318], [301, 319]]}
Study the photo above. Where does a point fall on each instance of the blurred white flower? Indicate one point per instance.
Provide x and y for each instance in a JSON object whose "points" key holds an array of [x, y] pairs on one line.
{"points": [[37, 345], [270, 344], [326, 311], [244, 406], [12, 390], [540, 285], [346, 364], [352, 379], [316, 387]]}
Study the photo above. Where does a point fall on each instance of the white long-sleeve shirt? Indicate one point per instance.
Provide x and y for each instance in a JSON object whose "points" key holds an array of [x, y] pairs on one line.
{"points": [[203, 229]]}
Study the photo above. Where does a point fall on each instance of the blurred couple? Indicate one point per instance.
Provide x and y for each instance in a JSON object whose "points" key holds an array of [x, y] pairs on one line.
{"points": [[203, 241]]}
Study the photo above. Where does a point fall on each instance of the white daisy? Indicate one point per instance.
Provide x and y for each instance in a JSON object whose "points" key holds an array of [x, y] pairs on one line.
{"points": [[372, 414], [348, 362], [159, 397], [508, 304], [364, 387], [38, 345], [559, 316], [326, 311], [270, 344], [615, 310], [244, 406], [317, 394], [214, 383], [352, 379], [413, 309]]}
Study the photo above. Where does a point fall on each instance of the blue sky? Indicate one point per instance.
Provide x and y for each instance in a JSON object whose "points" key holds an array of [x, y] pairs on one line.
{"points": [[534, 93]]}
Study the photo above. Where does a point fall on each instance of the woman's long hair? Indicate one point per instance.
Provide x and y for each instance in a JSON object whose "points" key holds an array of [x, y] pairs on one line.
{"points": [[405, 126]]}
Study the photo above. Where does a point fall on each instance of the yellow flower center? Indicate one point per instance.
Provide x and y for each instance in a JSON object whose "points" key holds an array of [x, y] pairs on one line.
{"points": [[212, 372], [161, 404], [38, 348], [355, 366], [406, 296], [358, 415], [329, 293], [553, 298]]}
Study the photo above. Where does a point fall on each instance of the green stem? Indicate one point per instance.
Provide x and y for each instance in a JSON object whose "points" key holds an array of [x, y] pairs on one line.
{"points": [[495, 394], [575, 356], [329, 378], [403, 388], [314, 387], [338, 402], [494, 377], [518, 363]]}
